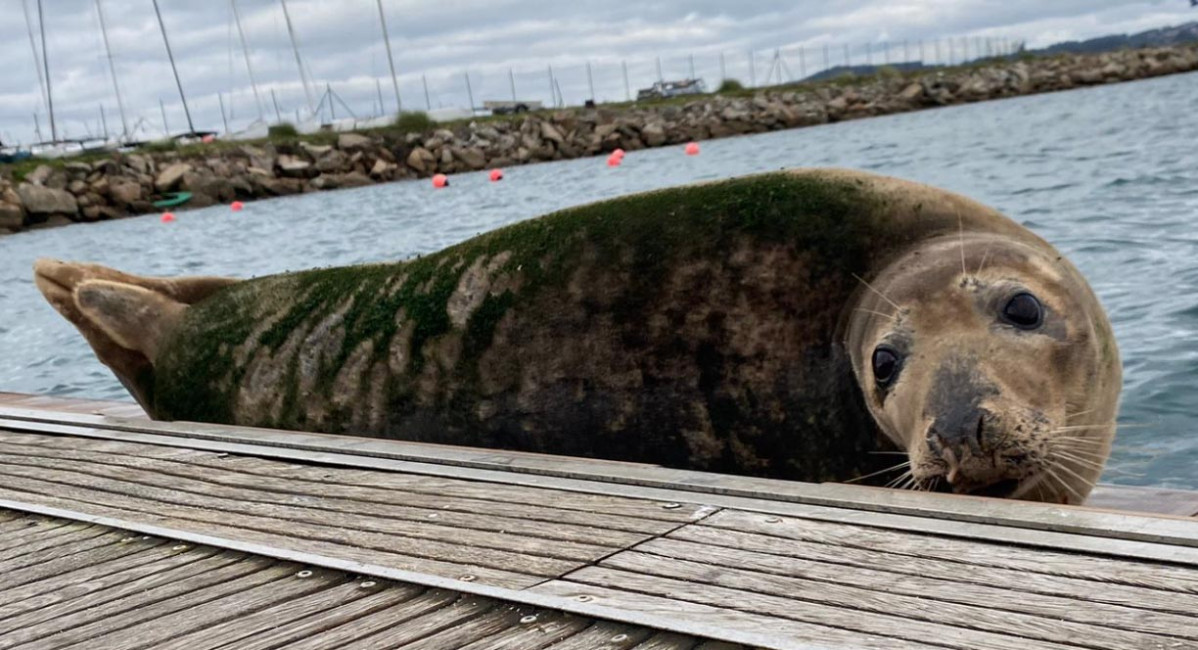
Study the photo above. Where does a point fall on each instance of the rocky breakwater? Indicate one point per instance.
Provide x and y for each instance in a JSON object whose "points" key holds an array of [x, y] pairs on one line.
{"points": [[127, 184]]}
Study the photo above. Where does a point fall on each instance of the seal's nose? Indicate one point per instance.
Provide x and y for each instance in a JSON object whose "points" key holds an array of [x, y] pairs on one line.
{"points": [[960, 428]]}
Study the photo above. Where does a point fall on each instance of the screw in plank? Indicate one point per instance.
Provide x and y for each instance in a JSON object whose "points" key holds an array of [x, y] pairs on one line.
{"points": [[367, 584], [304, 574], [584, 598], [433, 516], [179, 547], [531, 618], [773, 520], [467, 578], [672, 506], [619, 638]]}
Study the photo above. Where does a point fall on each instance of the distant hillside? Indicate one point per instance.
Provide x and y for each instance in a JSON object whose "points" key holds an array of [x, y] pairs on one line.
{"points": [[1163, 37]]}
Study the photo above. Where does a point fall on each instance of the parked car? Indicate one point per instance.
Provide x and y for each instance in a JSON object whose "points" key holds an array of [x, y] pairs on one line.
{"points": [[666, 89]]}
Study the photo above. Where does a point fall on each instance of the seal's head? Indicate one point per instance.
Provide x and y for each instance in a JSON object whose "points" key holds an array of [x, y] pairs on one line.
{"points": [[988, 358]]}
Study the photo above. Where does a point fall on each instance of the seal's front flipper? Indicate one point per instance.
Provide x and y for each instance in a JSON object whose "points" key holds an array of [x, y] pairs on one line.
{"points": [[125, 318]]}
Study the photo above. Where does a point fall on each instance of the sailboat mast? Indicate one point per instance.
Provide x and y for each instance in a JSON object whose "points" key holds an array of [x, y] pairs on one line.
{"points": [[390, 61], [112, 68], [295, 48], [46, 64], [170, 55], [246, 50], [41, 80]]}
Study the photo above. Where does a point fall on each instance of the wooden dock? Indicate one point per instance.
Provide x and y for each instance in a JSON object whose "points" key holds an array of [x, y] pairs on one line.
{"points": [[120, 532]]}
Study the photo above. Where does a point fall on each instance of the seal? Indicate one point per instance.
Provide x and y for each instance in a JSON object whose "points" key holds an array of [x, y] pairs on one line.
{"points": [[797, 324]]}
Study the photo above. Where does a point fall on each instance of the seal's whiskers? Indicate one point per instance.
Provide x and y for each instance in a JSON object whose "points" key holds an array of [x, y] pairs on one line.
{"points": [[1051, 474], [882, 295], [892, 317], [901, 465]]}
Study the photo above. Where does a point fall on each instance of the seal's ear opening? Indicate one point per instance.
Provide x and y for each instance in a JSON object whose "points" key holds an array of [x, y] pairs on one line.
{"points": [[125, 318]]}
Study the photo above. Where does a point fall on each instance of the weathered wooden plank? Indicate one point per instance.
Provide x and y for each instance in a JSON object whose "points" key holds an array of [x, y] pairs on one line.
{"points": [[51, 539], [308, 509], [33, 529], [1127, 498], [670, 641], [828, 597], [712, 494], [67, 548], [918, 581], [1143, 574], [500, 618], [537, 511], [364, 627], [535, 630], [776, 632], [1179, 531], [65, 485], [315, 624], [735, 601], [58, 496], [62, 565], [603, 635], [44, 596], [250, 622], [442, 487], [454, 615], [9, 515], [193, 586], [72, 405], [200, 613]]}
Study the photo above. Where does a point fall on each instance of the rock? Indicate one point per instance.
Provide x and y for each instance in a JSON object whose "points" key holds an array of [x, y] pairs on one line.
{"points": [[293, 167], [912, 91], [654, 134], [278, 186], [354, 179], [140, 164], [39, 175], [44, 201], [78, 170], [316, 150], [421, 159], [258, 171], [473, 158], [353, 141], [381, 167], [331, 162], [550, 132], [12, 217], [78, 188], [444, 134], [170, 177]]}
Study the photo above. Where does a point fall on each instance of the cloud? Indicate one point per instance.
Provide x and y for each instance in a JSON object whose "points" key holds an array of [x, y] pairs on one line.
{"points": [[439, 42]]}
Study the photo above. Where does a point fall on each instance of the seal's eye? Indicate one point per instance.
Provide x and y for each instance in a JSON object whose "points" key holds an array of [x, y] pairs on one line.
{"points": [[1023, 311], [886, 365]]}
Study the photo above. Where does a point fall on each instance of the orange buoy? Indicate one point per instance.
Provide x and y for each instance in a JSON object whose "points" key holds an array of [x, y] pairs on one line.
{"points": [[167, 217], [440, 180], [692, 148], [613, 161], [236, 206], [496, 175], [618, 152]]}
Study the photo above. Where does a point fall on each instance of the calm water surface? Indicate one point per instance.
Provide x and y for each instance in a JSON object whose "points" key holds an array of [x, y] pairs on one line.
{"points": [[1109, 175]]}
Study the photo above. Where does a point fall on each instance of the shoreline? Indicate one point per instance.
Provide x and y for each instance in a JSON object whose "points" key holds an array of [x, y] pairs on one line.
{"points": [[117, 185]]}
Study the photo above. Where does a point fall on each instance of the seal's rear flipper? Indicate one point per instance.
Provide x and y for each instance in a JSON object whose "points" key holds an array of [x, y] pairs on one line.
{"points": [[125, 318]]}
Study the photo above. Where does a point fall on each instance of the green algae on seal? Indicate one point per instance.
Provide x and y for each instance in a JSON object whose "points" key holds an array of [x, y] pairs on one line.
{"points": [[739, 326]]}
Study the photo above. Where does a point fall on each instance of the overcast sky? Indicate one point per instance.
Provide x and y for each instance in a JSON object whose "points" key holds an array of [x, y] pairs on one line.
{"points": [[341, 45]]}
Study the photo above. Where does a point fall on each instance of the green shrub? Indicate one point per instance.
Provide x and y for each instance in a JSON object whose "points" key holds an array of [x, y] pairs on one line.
{"points": [[730, 86], [414, 122], [889, 72], [282, 130]]}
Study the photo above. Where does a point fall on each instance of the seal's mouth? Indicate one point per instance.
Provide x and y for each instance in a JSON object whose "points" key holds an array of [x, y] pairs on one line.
{"points": [[998, 490]]}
